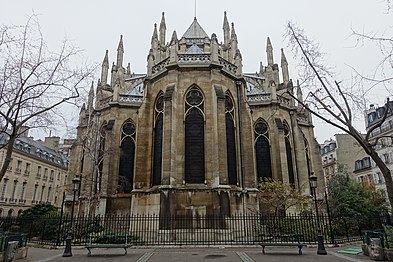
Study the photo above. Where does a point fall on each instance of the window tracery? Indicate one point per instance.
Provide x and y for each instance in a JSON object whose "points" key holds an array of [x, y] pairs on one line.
{"points": [[262, 150], [127, 155]]}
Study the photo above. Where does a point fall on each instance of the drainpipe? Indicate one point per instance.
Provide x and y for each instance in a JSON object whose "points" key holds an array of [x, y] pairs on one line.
{"points": [[294, 149], [239, 97]]}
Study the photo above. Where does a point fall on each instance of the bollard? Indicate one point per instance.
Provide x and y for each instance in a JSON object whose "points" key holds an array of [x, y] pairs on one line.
{"points": [[11, 250], [376, 250]]}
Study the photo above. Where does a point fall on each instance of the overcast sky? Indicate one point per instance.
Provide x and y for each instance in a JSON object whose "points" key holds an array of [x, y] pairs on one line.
{"points": [[96, 25]]}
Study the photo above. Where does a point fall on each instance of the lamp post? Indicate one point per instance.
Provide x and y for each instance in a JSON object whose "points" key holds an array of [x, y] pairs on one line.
{"points": [[75, 187], [313, 185]]}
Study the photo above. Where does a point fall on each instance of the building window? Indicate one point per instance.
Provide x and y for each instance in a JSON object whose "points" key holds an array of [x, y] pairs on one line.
{"points": [[42, 193], [45, 174], [10, 165], [101, 153], [194, 137], [14, 191], [127, 155], [4, 189], [39, 170], [288, 149], [22, 193], [52, 175], [230, 139], [34, 193], [18, 166], [157, 139], [27, 170], [48, 196], [262, 150]]}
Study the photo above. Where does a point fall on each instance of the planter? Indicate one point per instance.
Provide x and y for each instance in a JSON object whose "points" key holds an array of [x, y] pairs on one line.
{"points": [[389, 254], [366, 249], [377, 253]]}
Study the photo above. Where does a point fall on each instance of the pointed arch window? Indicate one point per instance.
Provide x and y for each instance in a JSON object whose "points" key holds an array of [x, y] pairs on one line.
{"points": [[308, 159], [194, 137], [157, 139], [100, 159], [127, 157], [230, 139], [262, 150], [288, 149]]}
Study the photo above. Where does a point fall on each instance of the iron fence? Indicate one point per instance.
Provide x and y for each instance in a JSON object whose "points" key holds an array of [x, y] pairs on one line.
{"points": [[152, 230]]}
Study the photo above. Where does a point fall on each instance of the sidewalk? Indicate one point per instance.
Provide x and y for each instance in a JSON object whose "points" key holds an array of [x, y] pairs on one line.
{"points": [[191, 255]]}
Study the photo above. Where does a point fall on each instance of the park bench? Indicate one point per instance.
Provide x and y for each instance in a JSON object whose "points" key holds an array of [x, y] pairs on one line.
{"points": [[280, 240], [108, 241]]}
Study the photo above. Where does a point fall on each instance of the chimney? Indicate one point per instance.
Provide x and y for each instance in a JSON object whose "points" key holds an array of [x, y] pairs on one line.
{"points": [[52, 142]]}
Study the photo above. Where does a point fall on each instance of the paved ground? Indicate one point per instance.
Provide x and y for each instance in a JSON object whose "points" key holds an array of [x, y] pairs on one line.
{"points": [[218, 254]]}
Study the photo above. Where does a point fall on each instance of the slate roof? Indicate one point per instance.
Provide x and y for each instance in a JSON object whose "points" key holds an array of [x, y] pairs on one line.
{"points": [[37, 149], [195, 31], [194, 49], [136, 90]]}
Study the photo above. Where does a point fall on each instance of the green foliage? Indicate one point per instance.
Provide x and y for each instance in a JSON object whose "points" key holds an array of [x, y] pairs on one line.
{"points": [[389, 236], [276, 196], [45, 227], [39, 210], [83, 228], [348, 198]]}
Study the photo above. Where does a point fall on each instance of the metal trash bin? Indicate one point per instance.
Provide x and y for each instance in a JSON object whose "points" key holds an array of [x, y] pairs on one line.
{"points": [[376, 249], [11, 250]]}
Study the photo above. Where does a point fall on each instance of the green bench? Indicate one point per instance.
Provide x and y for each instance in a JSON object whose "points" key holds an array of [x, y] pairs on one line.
{"points": [[107, 241], [281, 240]]}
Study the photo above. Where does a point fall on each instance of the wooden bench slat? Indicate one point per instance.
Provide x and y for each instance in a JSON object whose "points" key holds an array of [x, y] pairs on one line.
{"points": [[93, 245], [281, 240]]}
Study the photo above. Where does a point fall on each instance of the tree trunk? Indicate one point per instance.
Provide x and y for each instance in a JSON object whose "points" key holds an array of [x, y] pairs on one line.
{"points": [[386, 175], [8, 155]]}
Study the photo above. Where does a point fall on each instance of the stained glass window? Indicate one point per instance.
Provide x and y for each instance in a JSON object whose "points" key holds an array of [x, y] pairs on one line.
{"points": [[262, 150], [194, 137]]}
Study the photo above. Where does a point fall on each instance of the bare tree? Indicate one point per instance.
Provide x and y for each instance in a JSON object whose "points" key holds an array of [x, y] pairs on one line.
{"points": [[89, 153], [328, 100], [34, 82]]}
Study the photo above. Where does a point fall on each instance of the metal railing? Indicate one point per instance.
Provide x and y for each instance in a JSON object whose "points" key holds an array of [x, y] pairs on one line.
{"points": [[152, 230]]}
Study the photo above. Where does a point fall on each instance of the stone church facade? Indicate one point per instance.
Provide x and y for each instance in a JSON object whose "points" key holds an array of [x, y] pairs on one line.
{"points": [[193, 135]]}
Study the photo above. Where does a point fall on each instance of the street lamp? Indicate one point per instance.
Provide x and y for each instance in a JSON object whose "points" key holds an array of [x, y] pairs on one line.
{"points": [[313, 185], [67, 251]]}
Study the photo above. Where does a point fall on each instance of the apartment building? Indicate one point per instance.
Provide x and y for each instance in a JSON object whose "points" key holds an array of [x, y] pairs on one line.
{"points": [[382, 136], [343, 151], [37, 174]]}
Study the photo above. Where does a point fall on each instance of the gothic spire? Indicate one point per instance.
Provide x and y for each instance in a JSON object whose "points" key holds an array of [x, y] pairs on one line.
{"points": [[162, 30], [233, 33], [120, 52], [299, 93], [174, 37], [105, 69], [128, 69], [83, 109], [269, 51], [154, 37], [90, 98], [173, 48], [261, 68], [226, 29], [284, 67]]}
